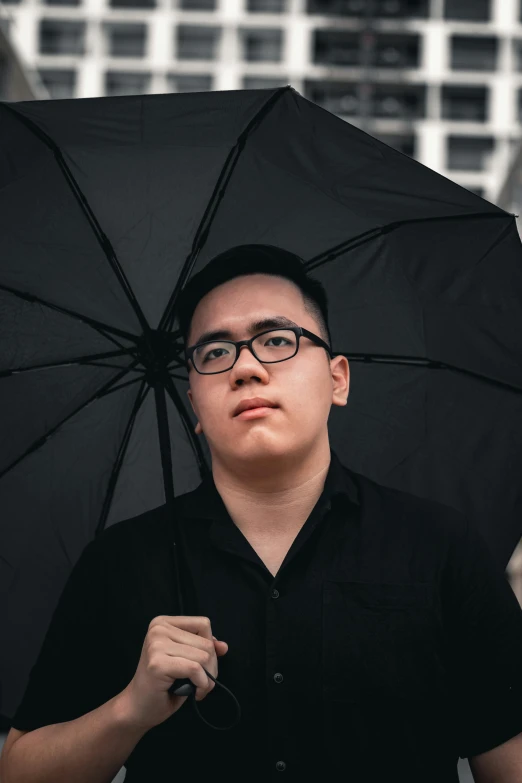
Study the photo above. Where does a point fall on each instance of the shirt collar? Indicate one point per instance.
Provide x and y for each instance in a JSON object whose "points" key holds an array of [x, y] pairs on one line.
{"points": [[205, 502]]}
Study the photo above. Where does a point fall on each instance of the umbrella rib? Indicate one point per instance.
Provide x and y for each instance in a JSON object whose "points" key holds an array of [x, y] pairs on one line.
{"points": [[42, 440], [187, 424], [214, 201], [431, 364], [140, 397], [349, 244], [98, 325], [88, 360], [121, 386], [102, 238]]}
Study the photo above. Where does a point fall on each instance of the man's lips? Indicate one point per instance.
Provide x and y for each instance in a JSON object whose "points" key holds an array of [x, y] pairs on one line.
{"points": [[252, 403], [255, 413]]}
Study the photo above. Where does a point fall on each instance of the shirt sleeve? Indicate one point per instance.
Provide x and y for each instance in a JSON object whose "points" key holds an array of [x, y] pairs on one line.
{"points": [[70, 676], [485, 621]]}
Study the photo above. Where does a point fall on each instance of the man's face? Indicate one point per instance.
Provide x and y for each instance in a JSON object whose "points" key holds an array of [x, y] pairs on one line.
{"points": [[304, 387]]}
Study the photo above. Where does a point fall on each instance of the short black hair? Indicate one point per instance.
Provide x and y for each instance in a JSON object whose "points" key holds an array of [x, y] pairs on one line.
{"points": [[250, 260]]}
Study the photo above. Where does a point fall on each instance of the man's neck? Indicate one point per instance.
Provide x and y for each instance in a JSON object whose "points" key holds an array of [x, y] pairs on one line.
{"points": [[274, 506]]}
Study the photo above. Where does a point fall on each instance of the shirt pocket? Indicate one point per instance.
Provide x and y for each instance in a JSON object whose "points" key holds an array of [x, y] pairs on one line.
{"points": [[381, 640]]}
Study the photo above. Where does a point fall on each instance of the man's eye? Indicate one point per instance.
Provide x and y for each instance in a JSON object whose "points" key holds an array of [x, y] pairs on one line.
{"points": [[277, 338], [212, 351]]}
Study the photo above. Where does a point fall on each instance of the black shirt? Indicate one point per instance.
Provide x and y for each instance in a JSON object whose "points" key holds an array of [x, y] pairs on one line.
{"points": [[388, 644]]}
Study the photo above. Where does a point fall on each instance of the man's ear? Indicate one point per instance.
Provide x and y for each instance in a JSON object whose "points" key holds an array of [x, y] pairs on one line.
{"points": [[341, 380]]}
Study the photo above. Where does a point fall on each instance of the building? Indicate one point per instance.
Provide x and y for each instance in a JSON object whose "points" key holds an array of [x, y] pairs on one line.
{"points": [[510, 194], [17, 81], [441, 80]]}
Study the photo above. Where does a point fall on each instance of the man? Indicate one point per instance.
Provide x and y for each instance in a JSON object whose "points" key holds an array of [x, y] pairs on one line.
{"points": [[370, 636]]}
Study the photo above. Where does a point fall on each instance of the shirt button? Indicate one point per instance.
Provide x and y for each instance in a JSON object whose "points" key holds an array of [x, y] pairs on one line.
{"points": [[275, 593], [278, 677], [280, 766]]}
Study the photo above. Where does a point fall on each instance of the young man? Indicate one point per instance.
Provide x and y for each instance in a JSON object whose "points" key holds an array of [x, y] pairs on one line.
{"points": [[370, 636]]}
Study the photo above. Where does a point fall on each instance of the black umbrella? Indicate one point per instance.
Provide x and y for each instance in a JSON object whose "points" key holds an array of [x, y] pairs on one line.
{"points": [[108, 206]]}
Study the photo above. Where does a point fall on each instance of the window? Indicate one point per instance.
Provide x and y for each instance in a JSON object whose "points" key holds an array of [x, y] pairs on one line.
{"points": [[125, 39], [266, 6], [405, 143], [336, 47], [519, 106], [473, 53], [126, 82], [469, 153], [344, 48], [478, 191], [387, 101], [396, 51], [263, 82], [338, 97], [387, 9], [399, 101], [60, 83], [198, 5], [197, 42], [190, 82], [518, 54], [61, 2], [61, 36], [4, 73], [132, 3], [260, 45], [464, 103], [468, 10]]}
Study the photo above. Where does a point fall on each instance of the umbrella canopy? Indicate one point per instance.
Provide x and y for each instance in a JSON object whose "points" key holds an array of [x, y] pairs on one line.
{"points": [[109, 205]]}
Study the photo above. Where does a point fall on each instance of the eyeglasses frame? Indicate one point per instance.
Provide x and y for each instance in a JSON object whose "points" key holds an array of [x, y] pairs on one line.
{"points": [[299, 332]]}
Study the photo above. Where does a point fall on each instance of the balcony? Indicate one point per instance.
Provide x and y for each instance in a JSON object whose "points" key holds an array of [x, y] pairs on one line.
{"points": [[469, 153], [190, 82], [61, 2], [383, 9], [258, 45], [334, 47], [474, 53], [197, 5], [464, 104], [197, 42], [125, 39], [132, 3], [61, 36], [127, 83], [405, 143], [60, 82], [263, 82], [387, 101], [266, 6], [468, 10], [337, 97]]}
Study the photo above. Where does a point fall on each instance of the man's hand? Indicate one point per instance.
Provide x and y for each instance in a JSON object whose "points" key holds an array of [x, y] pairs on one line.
{"points": [[174, 648], [502, 764]]}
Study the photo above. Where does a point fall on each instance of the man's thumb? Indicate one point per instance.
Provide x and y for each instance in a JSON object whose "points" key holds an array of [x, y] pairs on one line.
{"points": [[222, 644]]}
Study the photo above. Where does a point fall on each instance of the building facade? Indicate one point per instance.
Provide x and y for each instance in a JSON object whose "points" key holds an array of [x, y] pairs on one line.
{"points": [[17, 81], [441, 80]]}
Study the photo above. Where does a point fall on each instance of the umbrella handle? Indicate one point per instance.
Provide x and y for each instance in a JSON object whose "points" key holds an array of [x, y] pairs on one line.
{"points": [[185, 687], [182, 687]]}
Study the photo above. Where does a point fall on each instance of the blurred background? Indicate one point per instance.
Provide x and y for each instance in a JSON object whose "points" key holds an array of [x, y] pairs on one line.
{"points": [[438, 80]]}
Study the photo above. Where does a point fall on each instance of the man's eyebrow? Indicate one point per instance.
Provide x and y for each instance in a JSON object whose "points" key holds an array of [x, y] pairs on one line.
{"points": [[274, 322]]}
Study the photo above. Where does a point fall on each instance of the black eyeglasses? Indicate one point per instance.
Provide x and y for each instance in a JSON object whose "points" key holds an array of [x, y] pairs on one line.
{"points": [[205, 360]]}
